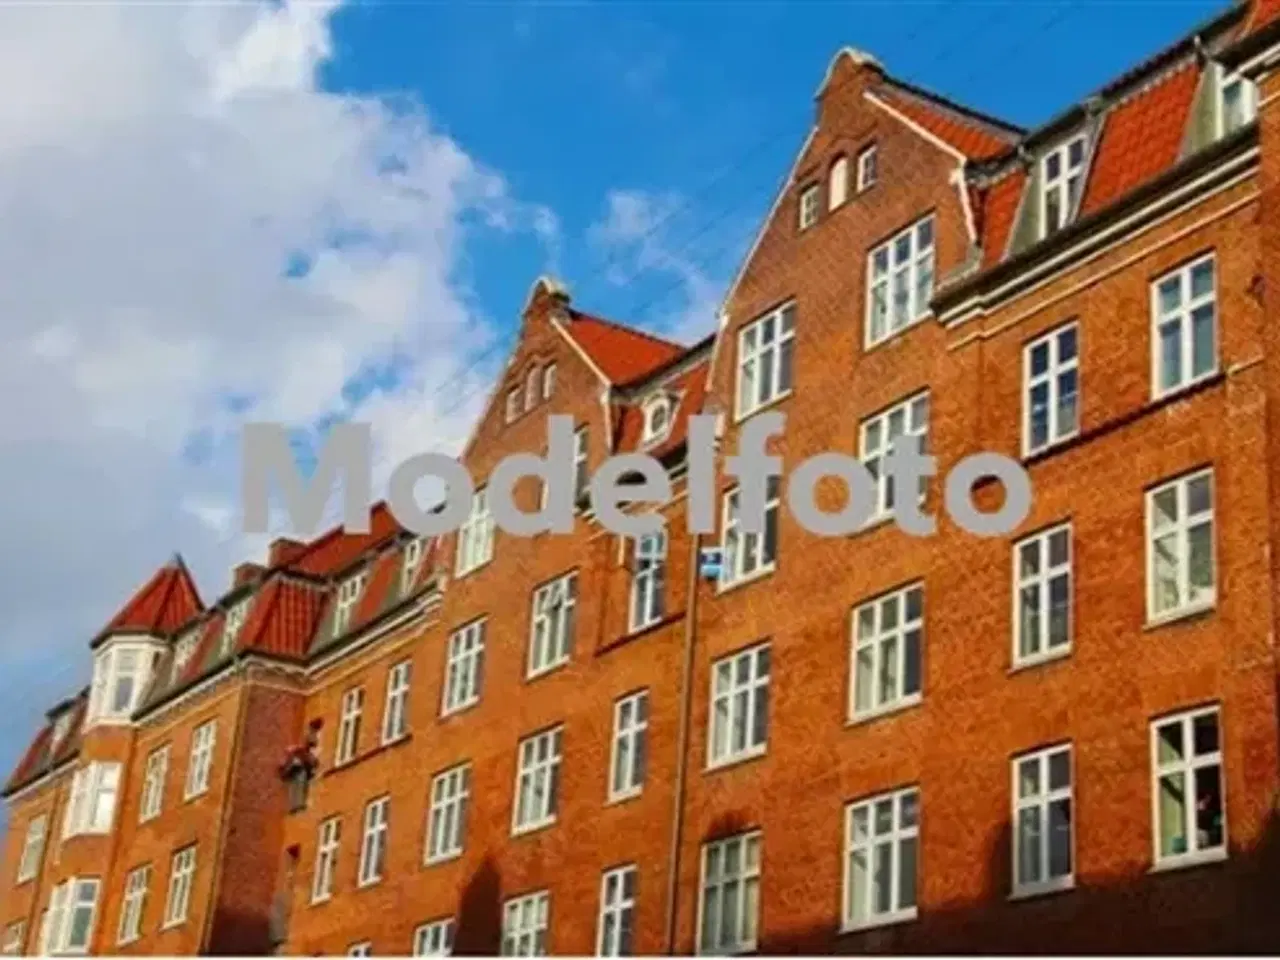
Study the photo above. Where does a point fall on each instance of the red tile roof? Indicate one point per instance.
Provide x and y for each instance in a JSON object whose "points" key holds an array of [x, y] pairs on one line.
{"points": [[692, 388], [971, 137], [283, 618], [1263, 12], [334, 551], [38, 759], [995, 214], [622, 353], [161, 605]]}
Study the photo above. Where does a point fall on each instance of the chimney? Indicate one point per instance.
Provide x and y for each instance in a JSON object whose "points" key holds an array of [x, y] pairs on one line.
{"points": [[282, 550], [245, 572]]}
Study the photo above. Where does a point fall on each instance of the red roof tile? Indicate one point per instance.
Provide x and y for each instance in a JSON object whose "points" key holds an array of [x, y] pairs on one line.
{"points": [[335, 550], [38, 759], [283, 618], [692, 387], [1263, 12], [969, 136], [621, 353], [161, 605], [996, 212]]}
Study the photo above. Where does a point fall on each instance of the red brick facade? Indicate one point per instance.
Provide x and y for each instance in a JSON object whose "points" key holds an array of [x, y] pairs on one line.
{"points": [[275, 665]]}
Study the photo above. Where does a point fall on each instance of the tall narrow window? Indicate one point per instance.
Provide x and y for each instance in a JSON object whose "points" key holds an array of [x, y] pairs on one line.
{"points": [[538, 781], [1042, 590], [447, 821], [551, 632], [747, 555], [548, 381], [838, 183], [183, 651], [868, 168], [395, 716], [1190, 812], [513, 404], [1180, 546], [231, 626], [201, 760], [809, 199], [617, 912], [68, 923], [765, 349], [373, 844], [1184, 317], [434, 939], [1042, 851], [888, 637], [648, 579], [120, 675], [349, 591], [525, 922], [153, 780], [729, 908], [739, 726], [92, 803], [413, 553], [1051, 379], [182, 871], [531, 383], [879, 433], [33, 848], [326, 859], [882, 844], [900, 282], [1237, 102], [475, 536], [581, 476], [629, 755], [464, 668], [657, 419], [1061, 174], [135, 900], [349, 726]]}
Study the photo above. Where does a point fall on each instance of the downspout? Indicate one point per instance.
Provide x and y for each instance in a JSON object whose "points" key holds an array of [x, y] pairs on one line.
{"points": [[682, 747]]}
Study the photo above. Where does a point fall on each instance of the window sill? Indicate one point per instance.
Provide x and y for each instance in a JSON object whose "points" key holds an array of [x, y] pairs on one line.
{"points": [[1045, 449], [531, 828], [743, 581], [639, 632], [192, 797], [1194, 611], [887, 920], [320, 901], [368, 884], [1185, 860], [1032, 891], [362, 757], [1173, 393], [459, 709], [173, 924], [1041, 660], [870, 716], [617, 799], [894, 336], [463, 574], [737, 759], [442, 858], [740, 418], [541, 672]]}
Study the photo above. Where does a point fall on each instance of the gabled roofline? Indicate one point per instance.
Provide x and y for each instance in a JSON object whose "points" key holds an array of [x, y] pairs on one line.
{"points": [[955, 106], [860, 58], [691, 357]]}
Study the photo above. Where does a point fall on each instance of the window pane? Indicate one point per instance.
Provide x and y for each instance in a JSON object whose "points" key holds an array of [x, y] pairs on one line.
{"points": [[1172, 807], [1208, 807]]}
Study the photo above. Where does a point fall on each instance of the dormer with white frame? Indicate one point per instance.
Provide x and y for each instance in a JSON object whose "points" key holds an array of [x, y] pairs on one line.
{"points": [[122, 668], [658, 411], [1235, 102], [1061, 182]]}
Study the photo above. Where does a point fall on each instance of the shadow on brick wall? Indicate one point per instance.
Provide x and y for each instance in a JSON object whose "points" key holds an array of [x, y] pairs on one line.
{"points": [[478, 929]]}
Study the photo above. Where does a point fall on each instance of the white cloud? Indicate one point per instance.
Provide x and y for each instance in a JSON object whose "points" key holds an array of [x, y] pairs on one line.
{"points": [[160, 166]]}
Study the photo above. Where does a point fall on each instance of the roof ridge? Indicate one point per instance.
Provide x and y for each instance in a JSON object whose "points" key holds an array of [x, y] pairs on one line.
{"points": [[625, 328], [956, 107]]}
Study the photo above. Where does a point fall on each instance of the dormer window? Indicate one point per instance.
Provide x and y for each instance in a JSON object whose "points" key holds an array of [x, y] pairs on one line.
{"points": [[808, 207], [61, 726], [513, 404], [531, 389], [231, 626], [868, 168], [1061, 174], [413, 551], [657, 419], [838, 183], [120, 674], [348, 596], [183, 651], [1237, 102]]}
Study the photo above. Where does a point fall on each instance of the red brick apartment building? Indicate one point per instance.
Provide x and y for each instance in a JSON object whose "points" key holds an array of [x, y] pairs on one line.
{"points": [[1063, 740]]}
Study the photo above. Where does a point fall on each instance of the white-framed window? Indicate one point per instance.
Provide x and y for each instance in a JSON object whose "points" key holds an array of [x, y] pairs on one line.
{"points": [[648, 579], [362, 949], [327, 846], [1061, 176], [68, 923], [33, 847], [434, 939], [395, 714], [475, 536], [120, 674], [525, 923], [1237, 104], [61, 727], [1180, 548], [548, 381], [531, 384], [135, 901], [373, 843], [182, 872], [739, 724], [13, 937], [838, 183], [881, 859], [900, 283], [153, 780], [657, 419], [464, 668], [1042, 595], [617, 912], [888, 646], [868, 168], [1184, 322], [538, 781], [1188, 792], [765, 362], [748, 555], [231, 626], [1051, 389], [200, 763], [552, 628], [352, 710], [581, 469], [349, 592], [629, 752], [414, 551], [909, 418], [447, 819], [183, 650], [1042, 817], [513, 404], [91, 806], [809, 202], [729, 905]]}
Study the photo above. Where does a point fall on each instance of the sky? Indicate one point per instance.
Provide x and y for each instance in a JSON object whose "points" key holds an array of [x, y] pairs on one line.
{"points": [[314, 212]]}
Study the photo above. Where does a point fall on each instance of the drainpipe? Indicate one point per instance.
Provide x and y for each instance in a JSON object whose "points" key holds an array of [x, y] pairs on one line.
{"points": [[682, 746]]}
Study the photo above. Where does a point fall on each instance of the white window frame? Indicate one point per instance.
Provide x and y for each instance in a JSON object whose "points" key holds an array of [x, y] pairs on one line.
{"points": [[881, 279], [537, 792], [875, 444], [434, 938], [1181, 530], [617, 911], [414, 551], [1195, 852], [71, 897], [1051, 379], [648, 580], [896, 637], [1249, 100], [232, 624], [868, 167], [14, 934], [133, 904], [755, 355], [657, 411], [475, 536], [1044, 797], [33, 848], [1041, 582], [1182, 316], [526, 925], [182, 872], [743, 886], [345, 601], [548, 381], [108, 678], [725, 705], [351, 713], [513, 404], [810, 205], [373, 842], [204, 739], [900, 834], [447, 814], [531, 391], [838, 183], [553, 623], [183, 650], [581, 466], [464, 667], [629, 746], [1067, 187], [395, 713], [91, 807], [741, 550], [61, 727], [328, 845], [155, 774]]}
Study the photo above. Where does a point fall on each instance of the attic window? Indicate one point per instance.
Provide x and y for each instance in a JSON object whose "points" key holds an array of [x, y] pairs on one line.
{"points": [[531, 389], [231, 626], [1237, 102], [657, 419], [513, 404], [183, 651], [868, 168], [838, 183], [1061, 174], [120, 673], [808, 207], [413, 551], [60, 728], [348, 596], [548, 380]]}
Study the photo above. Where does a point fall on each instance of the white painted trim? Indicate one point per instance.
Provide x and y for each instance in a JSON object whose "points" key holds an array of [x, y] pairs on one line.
{"points": [[960, 182], [860, 58], [1262, 61], [545, 282]]}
